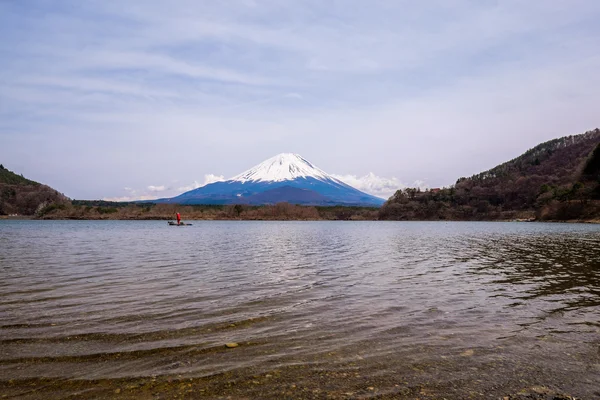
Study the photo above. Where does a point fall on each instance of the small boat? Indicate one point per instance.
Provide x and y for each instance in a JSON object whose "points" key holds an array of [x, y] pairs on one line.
{"points": [[173, 223]]}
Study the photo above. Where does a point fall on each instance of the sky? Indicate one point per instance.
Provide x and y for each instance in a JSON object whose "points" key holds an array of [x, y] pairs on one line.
{"points": [[107, 99]]}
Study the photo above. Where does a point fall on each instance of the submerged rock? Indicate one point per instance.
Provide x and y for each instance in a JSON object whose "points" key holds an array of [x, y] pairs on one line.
{"points": [[231, 345]]}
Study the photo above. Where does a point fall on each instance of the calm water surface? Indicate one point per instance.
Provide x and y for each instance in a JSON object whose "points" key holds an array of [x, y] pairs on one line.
{"points": [[319, 309]]}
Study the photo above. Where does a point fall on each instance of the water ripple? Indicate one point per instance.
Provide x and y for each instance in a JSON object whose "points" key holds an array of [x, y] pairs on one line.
{"points": [[113, 299]]}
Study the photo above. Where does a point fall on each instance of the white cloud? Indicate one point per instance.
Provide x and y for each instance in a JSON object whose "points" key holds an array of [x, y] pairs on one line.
{"points": [[151, 192], [212, 178], [293, 95], [167, 65], [192, 186], [377, 185], [208, 178], [132, 195], [129, 198]]}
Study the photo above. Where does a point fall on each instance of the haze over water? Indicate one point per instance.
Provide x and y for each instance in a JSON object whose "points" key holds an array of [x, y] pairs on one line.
{"points": [[339, 309]]}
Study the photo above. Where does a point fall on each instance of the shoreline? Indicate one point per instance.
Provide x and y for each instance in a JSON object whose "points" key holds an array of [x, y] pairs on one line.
{"points": [[33, 218], [103, 210]]}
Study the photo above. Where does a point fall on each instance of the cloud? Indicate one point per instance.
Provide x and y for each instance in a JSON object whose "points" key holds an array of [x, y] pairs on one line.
{"points": [[212, 178], [293, 95], [129, 198], [132, 195], [151, 192], [414, 90], [377, 185], [187, 188], [208, 178]]}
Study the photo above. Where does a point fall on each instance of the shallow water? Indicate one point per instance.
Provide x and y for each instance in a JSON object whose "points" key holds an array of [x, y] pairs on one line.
{"points": [[319, 309]]}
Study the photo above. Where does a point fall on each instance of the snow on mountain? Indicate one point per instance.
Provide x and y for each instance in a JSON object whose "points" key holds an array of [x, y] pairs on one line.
{"points": [[282, 167]]}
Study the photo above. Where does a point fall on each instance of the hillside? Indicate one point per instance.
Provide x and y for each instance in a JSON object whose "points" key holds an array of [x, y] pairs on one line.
{"points": [[21, 196], [556, 180]]}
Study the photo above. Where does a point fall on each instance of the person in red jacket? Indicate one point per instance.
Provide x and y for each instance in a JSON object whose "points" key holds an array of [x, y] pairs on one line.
{"points": [[178, 219]]}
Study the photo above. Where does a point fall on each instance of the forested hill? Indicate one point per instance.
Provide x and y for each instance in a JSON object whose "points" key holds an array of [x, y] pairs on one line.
{"points": [[557, 161], [558, 179], [21, 196]]}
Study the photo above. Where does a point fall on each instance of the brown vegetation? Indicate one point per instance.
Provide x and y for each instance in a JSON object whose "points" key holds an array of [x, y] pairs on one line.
{"points": [[22, 196], [556, 180], [102, 210]]}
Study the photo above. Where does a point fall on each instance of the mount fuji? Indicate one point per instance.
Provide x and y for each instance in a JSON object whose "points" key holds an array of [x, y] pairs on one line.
{"points": [[284, 178]]}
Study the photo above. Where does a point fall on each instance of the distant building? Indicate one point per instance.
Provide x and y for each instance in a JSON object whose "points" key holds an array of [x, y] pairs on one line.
{"points": [[435, 190]]}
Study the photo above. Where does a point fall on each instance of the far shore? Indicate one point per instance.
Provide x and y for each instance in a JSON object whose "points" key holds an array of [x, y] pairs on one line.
{"points": [[102, 210], [196, 219]]}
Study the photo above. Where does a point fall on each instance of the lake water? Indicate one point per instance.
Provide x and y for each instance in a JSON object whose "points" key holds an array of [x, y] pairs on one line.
{"points": [[450, 310]]}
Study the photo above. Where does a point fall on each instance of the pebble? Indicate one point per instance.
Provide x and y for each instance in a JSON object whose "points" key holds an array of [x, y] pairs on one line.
{"points": [[231, 345], [117, 391]]}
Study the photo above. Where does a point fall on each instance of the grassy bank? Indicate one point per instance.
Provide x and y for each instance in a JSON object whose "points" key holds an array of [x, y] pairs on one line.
{"points": [[102, 210]]}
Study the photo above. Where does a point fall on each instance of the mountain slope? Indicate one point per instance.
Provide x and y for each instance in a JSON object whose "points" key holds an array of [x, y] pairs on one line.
{"points": [[313, 186], [558, 179], [557, 160], [22, 196], [287, 194]]}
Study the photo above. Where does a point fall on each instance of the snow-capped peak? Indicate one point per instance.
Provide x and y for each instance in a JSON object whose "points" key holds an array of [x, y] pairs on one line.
{"points": [[282, 167]]}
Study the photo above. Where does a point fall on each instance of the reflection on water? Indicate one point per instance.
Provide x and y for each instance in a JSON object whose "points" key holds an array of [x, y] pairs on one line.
{"points": [[374, 308]]}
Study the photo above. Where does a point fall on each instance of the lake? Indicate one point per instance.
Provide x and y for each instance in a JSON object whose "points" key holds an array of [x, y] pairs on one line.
{"points": [[456, 310]]}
